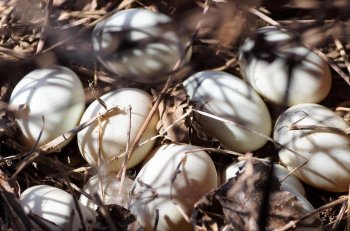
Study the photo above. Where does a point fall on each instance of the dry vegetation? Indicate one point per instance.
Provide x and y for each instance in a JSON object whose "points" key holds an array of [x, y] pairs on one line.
{"points": [[38, 33]]}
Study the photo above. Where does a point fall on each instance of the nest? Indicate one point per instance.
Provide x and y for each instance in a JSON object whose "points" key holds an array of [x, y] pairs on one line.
{"points": [[39, 33]]}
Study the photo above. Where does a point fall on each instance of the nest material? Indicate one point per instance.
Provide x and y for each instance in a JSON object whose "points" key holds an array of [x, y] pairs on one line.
{"points": [[38, 33]]}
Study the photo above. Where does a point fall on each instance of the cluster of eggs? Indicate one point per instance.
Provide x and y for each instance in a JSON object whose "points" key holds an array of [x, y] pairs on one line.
{"points": [[138, 44]]}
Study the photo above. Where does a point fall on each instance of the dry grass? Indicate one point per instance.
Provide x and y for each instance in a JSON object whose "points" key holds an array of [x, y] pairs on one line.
{"points": [[38, 33]]}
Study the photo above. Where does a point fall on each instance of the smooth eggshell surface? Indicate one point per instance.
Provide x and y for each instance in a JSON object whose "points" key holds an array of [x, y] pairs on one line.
{"points": [[115, 128], [55, 93], [325, 147], [273, 75], [55, 205], [133, 44], [108, 189], [228, 97], [159, 187]]}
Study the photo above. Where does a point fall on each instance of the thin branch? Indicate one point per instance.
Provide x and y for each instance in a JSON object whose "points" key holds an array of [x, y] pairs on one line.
{"points": [[343, 54], [249, 130], [44, 27], [76, 202], [293, 223], [126, 159], [57, 141], [315, 128]]}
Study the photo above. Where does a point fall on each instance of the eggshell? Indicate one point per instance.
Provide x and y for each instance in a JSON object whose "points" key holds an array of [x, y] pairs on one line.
{"points": [[291, 183], [115, 128], [228, 97], [55, 93], [108, 189], [327, 152], [136, 44], [55, 205], [268, 69], [157, 187]]}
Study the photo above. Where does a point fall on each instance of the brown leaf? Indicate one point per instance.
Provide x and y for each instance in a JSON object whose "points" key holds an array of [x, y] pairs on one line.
{"points": [[231, 26], [240, 204], [172, 108]]}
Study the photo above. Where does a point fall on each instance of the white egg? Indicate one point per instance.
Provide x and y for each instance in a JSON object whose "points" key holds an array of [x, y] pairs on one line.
{"points": [[114, 136], [326, 150], [56, 206], [272, 74], [228, 97], [55, 93], [173, 176], [108, 189], [138, 44], [291, 183]]}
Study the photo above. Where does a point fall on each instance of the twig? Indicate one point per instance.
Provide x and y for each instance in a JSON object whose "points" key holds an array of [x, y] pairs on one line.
{"points": [[259, 134], [293, 223], [227, 64], [247, 129], [335, 67], [223, 151], [125, 4], [126, 159], [7, 195], [14, 54], [95, 94], [100, 142], [57, 141], [82, 14], [315, 128], [156, 220], [21, 220], [345, 109], [263, 16], [174, 177], [342, 52], [343, 209], [14, 109], [182, 212], [76, 202], [44, 27], [32, 154]]}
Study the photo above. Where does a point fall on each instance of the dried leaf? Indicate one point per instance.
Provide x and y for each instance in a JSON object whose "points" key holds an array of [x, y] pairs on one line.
{"points": [[231, 26], [171, 109], [239, 204]]}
